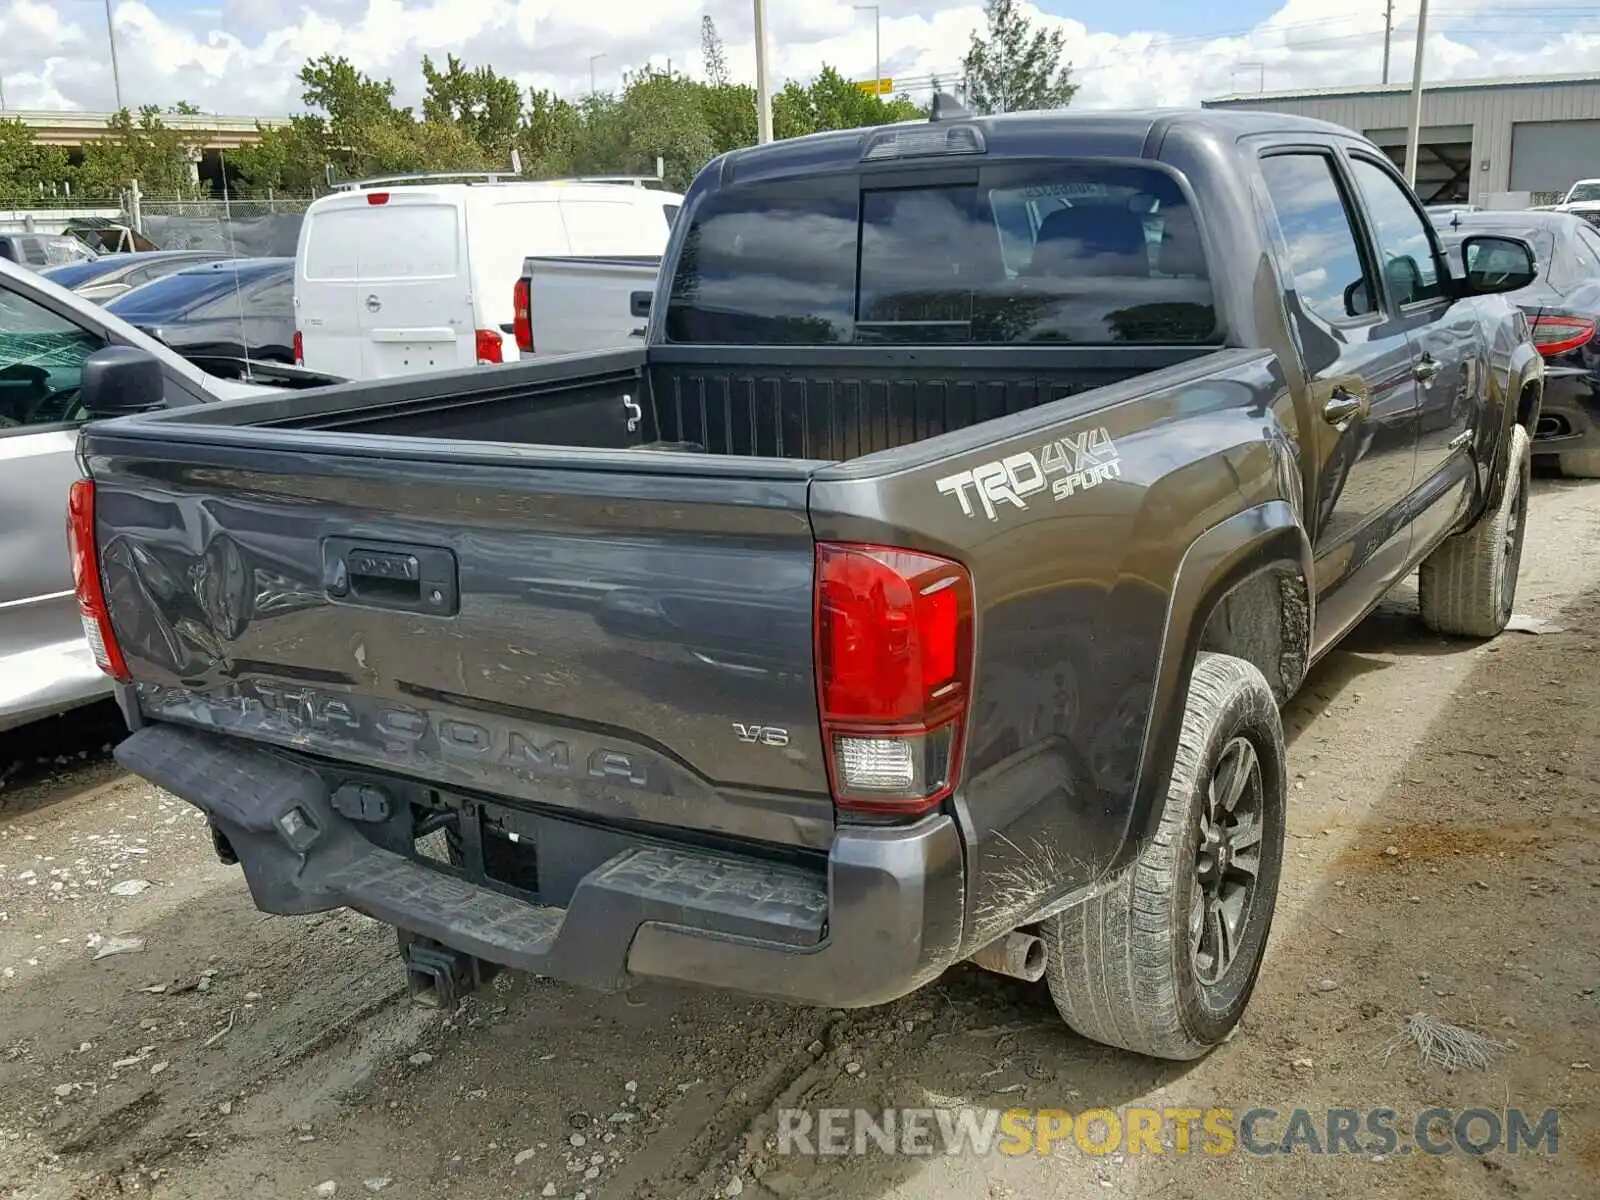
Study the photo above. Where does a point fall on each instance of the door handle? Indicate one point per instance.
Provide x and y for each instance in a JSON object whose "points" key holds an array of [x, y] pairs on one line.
{"points": [[1342, 407], [1425, 370]]}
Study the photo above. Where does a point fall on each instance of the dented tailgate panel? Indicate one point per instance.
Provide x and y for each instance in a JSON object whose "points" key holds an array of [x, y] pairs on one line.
{"points": [[572, 639]]}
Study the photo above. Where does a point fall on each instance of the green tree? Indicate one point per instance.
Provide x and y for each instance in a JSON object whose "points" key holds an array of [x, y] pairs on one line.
{"points": [[659, 114], [144, 148], [28, 169], [830, 101], [485, 106], [289, 159], [352, 99], [549, 139], [1016, 67]]}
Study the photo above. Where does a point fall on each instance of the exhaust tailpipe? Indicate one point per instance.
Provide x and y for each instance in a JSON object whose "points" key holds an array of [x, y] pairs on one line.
{"points": [[1019, 955]]}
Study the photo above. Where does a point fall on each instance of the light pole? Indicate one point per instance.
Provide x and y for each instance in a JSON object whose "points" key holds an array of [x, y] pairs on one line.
{"points": [[594, 58], [763, 83], [877, 44], [1414, 136], [111, 35]]}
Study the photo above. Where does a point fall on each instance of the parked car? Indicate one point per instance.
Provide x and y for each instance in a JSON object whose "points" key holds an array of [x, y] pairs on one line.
{"points": [[1563, 310], [923, 588], [564, 305], [400, 275], [236, 309], [1583, 200], [46, 335], [101, 279], [39, 250]]}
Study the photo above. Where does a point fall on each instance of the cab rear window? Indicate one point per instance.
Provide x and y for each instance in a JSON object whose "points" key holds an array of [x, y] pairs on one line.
{"points": [[1083, 254]]}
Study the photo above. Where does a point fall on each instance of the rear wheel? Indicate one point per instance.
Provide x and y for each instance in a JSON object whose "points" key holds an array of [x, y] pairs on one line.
{"points": [[1162, 961], [1580, 464], [1467, 586]]}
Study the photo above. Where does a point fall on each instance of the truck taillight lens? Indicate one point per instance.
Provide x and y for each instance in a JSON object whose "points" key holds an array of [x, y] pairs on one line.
{"points": [[489, 346], [894, 674], [86, 578], [1557, 334], [522, 317], [299, 349]]}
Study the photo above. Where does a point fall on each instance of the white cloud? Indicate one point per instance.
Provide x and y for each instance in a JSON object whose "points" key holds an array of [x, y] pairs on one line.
{"points": [[242, 59]]}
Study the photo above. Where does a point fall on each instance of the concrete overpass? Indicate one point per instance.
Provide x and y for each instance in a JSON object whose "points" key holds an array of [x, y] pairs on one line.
{"points": [[72, 128]]}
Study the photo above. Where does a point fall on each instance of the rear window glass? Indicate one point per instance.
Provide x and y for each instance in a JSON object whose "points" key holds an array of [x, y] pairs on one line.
{"points": [[187, 291], [72, 274], [1084, 254], [383, 241]]}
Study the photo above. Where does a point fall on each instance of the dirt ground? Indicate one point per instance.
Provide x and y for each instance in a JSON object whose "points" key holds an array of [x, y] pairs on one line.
{"points": [[1444, 858]]}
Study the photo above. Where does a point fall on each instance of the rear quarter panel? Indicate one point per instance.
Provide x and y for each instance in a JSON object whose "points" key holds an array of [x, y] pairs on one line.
{"points": [[1084, 603]]}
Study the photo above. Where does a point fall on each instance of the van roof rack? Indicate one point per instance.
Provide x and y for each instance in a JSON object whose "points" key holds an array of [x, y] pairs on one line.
{"points": [[355, 185]]}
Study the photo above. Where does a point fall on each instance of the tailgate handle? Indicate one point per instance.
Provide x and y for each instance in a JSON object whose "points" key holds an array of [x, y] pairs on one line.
{"points": [[419, 579]]}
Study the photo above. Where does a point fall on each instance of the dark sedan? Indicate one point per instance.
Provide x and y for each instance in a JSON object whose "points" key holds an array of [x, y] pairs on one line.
{"points": [[1563, 310], [110, 275], [239, 309]]}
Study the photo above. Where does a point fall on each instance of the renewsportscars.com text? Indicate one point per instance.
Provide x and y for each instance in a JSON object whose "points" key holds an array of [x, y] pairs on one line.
{"points": [[1210, 1131]]}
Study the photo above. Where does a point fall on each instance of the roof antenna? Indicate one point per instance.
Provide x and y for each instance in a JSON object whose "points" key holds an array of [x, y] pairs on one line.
{"points": [[947, 108]]}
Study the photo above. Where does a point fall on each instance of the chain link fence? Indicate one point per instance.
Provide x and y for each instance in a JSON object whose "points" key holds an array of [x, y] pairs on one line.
{"points": [[239, 228]]}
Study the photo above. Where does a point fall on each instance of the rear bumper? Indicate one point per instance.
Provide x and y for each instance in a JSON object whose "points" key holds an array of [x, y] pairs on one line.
{"points": [[1569, 416], [885, 918]]}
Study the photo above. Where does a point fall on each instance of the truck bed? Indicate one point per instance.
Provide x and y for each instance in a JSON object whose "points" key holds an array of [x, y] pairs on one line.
{"points": [[828, 405]]}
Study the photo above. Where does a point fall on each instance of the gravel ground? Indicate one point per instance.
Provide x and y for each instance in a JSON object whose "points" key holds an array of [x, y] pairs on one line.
{"points": [[1444, 858]]}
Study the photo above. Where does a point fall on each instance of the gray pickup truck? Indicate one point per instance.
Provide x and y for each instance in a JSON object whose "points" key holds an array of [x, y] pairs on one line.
{"points": [[924, 588]]}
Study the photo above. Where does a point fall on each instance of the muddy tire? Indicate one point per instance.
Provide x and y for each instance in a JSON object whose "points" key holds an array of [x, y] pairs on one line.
{"points": [[1467, 586], [1163, 959], [1580, 464]]}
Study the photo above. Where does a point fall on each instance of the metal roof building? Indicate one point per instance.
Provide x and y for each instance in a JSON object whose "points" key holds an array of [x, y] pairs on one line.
{"points": [[1481, 137]]}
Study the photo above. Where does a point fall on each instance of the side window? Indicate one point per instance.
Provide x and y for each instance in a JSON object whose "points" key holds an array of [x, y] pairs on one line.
{"points": [[272, 297], [1588, 247], [1324, 255], [41, 363], [1409, 265]]}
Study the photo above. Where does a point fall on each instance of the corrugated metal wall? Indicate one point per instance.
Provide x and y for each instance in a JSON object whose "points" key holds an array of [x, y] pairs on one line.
{"points": [[1492, 112]]}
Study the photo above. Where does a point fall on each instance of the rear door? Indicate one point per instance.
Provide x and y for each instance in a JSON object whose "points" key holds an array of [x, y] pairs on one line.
{"points": [[415, 295], [383, 287], [1444, 333], [1358, 364]]}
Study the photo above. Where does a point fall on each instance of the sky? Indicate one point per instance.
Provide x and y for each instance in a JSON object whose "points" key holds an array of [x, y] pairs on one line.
{"points": [[241, 57]]}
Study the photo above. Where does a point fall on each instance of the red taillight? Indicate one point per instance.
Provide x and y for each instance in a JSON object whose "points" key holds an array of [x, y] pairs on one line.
{"points": [[522, 316], [299, 349], [894, 663], [86, 578], [490, 349], [377, 197], [1556, 335]]}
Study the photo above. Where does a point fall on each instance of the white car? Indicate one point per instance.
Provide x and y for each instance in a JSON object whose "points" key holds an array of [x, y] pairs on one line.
{"points": [[409, 274], [1583, 200]]}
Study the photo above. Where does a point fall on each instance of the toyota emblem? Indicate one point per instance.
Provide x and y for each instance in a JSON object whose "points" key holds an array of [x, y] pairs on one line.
{"points": [[373, 304]]}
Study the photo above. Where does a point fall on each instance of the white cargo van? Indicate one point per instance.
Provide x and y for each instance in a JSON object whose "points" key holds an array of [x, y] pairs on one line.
{"points": [[416, 273]]}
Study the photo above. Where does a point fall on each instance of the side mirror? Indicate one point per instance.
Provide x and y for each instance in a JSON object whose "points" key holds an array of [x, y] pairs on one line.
{"points": [[1356, 301], [118, 380], [1497, 264], [639, 304]]}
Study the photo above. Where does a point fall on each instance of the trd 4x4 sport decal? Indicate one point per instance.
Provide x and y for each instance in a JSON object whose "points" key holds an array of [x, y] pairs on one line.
{"points": [[1065, 466]]}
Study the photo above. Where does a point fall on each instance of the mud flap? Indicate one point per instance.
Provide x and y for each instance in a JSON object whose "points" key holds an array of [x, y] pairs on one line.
{"points": [[437, 976]]}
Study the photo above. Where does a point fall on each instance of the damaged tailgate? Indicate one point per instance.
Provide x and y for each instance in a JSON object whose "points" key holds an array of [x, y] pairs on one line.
{"points": [[631, 643]]}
